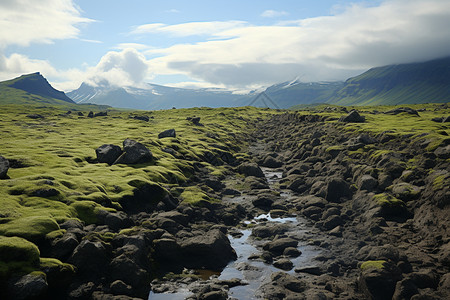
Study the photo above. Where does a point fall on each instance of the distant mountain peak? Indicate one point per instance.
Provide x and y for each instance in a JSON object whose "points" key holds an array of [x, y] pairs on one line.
{"points": [[35, 83]]}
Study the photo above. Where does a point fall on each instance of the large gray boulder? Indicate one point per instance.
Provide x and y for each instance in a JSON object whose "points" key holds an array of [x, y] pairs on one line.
{"points": [[4, 166], [210, 250], [133, 153], [108, 153]]}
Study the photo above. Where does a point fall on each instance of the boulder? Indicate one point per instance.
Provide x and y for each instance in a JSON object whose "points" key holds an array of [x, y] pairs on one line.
{"points": [[269, 230], [31, 286], [271, 162], [277, 246], [367, 182], [91, 258], [210, 250], [194, 120], [283, 286], [108, 153], [91, 114], [379, 283], [4, 166], [134, 152], [62, 248], [283, 264], [336, 189], [101, 114], [167, 133], [141, 118], [250, 169], [352, 117], [125, 269]]}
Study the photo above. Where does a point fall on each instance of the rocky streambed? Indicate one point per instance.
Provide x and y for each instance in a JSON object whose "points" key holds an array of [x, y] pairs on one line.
{"points": [[311, 211]]}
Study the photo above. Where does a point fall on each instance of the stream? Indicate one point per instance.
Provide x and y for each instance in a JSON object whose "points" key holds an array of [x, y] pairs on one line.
{"points": [[255, 272]]}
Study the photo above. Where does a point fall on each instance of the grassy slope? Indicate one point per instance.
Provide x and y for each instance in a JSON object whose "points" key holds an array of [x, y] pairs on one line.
{"points": [[398, 84], [57, 151]]}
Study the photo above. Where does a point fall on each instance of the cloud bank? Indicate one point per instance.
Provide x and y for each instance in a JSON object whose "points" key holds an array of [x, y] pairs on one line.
{"points": [[26, 21], [322, 48]]}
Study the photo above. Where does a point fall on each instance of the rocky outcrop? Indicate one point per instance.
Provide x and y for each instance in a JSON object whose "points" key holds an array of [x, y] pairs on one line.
{"points": [[4, 166]]}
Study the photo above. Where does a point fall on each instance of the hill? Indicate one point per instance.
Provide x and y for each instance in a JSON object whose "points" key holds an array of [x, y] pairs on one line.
{"points": [[31, 88], [414, 83]]}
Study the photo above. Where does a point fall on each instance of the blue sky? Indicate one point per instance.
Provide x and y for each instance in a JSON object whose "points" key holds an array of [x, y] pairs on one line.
{"points": [[238, 45]]}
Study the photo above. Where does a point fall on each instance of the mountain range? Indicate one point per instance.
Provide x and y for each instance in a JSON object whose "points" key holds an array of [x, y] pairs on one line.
{"points": [[388, 85]]}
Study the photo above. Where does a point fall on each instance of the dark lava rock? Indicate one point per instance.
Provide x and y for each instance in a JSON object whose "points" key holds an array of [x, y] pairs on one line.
{"points": [[377, 283], [399, 110], [91, 258], [367, 182], [269, 230], [336, 189], [194, 120], [263, 201], [125, 269], [292, 252], [101, 114], [45, 192], [405, 289], [91, 114], [62, 248], [31, 286], [210, 250], [250, 169], [133, 153], [353, 117], [4, 166], [283, 264], [332, 221], [283, 286], [141, 118], [80, 114], [277, 246], [271, 162], [35, 116], [313, 270], [108, 153], [167, 133]]}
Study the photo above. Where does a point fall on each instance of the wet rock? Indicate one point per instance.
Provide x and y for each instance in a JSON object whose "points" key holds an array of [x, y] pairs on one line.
{"points": [[313, 270], [167, 133], [352, 117], [283, 264], [108, 153], [269, 230], [277, 246], [210, 250], [292, 252], [283, 286], [250, 169], [4, 166], [133, 153], [31, 286]]}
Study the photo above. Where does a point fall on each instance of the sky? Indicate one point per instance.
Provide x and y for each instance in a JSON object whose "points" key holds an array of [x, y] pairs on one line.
{"points": [[237, 45]]}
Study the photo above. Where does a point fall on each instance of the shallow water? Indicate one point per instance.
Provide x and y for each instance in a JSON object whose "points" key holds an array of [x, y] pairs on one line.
{"points": [[254, 272]]}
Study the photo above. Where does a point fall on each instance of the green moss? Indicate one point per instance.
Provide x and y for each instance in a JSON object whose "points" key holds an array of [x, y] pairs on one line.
{"points": [[52, 263], [31, 228], [194, 195], [17, 255], [387, 200], [55, 234], [440, 181], [88, 211], [373, 264]]}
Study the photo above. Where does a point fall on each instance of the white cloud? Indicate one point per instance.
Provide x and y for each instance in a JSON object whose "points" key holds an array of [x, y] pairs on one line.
{"points": [[188, 29], [323, 48], [26, 21], [273, 14], [128, 67]]}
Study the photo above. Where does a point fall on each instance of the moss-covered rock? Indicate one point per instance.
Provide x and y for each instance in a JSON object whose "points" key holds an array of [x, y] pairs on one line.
{"points": [[32, 228], [17, 255]]}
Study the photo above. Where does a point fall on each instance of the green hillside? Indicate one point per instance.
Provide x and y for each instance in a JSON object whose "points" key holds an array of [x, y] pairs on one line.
{"points": [[427, 82]]}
